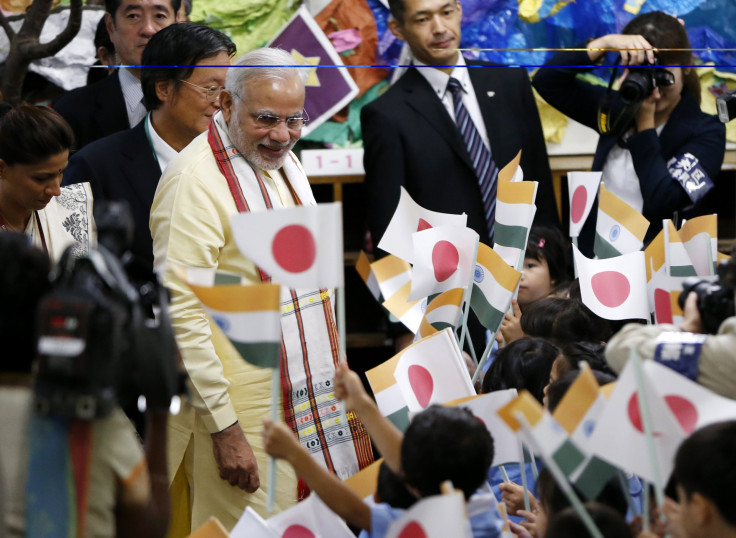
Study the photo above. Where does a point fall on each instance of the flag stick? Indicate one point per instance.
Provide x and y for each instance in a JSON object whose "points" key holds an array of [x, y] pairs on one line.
{"points": [[574, 265], [466, 295], [559, 477], [483, 359], [504, 474], [522, 468], [647, 422], [625, 488], [645, 507], [275, 391], [711, 262], [535, 471], [343, 353]]}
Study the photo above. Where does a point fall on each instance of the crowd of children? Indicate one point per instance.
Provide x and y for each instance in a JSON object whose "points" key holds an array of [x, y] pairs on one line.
{"points": [[543, 344]]}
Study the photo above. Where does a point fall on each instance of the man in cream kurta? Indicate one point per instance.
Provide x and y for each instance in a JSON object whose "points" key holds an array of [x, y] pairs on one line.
{"points": [[242, 163]]}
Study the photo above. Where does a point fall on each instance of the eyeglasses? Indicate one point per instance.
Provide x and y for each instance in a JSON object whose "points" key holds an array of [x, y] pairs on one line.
{"points": [[212, 93], [269, 121]]}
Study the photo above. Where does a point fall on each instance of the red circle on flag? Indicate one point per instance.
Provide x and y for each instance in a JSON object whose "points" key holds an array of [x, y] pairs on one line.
{"points": [[445, 259], [663, 306], [423, 225], [298, 531], [684, 410], [412, 530], [294, 248], [421, 384], [611, 288], [577, 206]]}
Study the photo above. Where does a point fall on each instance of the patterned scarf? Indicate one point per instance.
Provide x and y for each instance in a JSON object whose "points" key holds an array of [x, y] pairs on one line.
{"points": [[309, 341]]}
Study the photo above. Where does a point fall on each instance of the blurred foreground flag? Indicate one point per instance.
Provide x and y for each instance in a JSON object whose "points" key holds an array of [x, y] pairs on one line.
{"points": [[438, 516], [300, 247], [614, 288], [328, 89], [308, 518], [363, 266], [408, 218]]}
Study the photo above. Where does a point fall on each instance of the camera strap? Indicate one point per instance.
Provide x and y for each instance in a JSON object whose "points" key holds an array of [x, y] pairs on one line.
{"points": [[622, 122]]}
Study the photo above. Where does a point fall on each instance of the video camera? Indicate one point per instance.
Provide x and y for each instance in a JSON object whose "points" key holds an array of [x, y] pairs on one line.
{"points": [[715, 299], [97, 347], [641, 81]]}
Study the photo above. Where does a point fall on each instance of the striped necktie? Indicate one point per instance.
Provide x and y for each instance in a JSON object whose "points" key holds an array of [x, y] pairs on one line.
{"points": [[480, 155]]}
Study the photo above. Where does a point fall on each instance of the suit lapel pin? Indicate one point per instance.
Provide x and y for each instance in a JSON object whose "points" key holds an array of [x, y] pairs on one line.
{"points": [[490, 94]]}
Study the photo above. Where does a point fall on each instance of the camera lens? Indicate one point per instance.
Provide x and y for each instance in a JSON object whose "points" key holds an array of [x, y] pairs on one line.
{"points": [[637, 86]]}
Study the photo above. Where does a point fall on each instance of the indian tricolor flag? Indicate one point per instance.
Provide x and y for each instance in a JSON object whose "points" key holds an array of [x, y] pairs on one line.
{"points": [[391, 274], [578, 413], [365, 481], [512, 171], [494, 284], [249, 316], [700, 237], [363, 266], [515, 211], [678, 260], [407, 312], [445, 309], [388, 395], [620, 228], [545, 435]]}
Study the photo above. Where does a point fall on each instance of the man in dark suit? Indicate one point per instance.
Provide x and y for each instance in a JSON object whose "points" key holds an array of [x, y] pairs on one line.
{"points": [[410, 135], [115, 103], [411, 138], [127, 165]]}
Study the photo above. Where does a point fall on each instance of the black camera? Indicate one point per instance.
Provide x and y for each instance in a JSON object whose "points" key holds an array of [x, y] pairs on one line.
{"points": [[641, 81], [97, 348], [715, 299]]}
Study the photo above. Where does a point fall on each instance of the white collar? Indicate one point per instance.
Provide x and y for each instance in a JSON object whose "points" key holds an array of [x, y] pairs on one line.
{"points": [[164, 152], [438, 79]]}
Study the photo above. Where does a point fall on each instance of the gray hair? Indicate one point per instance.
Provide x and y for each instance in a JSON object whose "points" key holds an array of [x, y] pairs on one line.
{"points": [[263, 63]]}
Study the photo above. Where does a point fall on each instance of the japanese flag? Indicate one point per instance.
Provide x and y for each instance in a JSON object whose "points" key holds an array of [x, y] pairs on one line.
{"points": [[309, 519], [251, 525], [432, 371], [408, 218], [443, 260], [485, 408], [582, 188], [438, 516], [619, 434], [614, 288], [300, 247]]}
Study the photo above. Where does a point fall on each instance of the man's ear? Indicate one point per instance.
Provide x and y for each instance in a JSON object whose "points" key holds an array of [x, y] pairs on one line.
{"points": [[395, 28], [226, 105], [165, 90]]}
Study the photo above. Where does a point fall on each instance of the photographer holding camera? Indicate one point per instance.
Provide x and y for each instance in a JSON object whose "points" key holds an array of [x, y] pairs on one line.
{"points": [[703, 347], [657, 150], [70, 460]]}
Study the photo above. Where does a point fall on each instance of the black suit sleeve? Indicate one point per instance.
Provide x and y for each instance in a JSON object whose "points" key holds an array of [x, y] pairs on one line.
{"points": [[385, 168]]}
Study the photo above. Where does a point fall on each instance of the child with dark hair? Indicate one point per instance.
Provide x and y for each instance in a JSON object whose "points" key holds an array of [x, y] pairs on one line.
{"points": [[705, 472], [553, 501], [545, 273], [568, 523], [441, 443], [391, 489], [522, 364], [562, 320]]}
